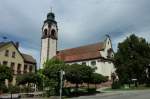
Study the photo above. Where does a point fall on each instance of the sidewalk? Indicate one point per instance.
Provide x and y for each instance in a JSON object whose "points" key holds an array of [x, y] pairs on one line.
{"points": [[8, 96]]}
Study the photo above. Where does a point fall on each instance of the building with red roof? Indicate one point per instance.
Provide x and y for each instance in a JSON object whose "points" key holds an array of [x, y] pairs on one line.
{"points": [[97, 55]]}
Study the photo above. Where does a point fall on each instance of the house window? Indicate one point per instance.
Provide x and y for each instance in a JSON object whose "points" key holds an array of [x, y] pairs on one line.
{"points": [[13, 54], [83, 63], [12, 66], [7, 53], [5, 63], [19, 69], [93, 63], [25, 68], [30, 68]]}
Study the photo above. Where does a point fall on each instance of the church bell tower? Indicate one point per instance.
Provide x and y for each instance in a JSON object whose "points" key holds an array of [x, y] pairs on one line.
{"points": [[49, 38]]}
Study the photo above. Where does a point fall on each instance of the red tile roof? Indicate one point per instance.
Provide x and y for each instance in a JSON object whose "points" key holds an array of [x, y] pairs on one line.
{"points": [[86, 52]]}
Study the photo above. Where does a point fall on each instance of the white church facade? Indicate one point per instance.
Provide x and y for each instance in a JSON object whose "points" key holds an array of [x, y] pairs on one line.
{"points": [[97, 55]]}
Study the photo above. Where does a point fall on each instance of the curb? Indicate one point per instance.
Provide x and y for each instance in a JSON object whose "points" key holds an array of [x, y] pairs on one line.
{"points": [[108, 94]]}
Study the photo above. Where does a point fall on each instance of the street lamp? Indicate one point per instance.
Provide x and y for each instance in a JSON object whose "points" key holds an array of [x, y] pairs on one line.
{"points": [[61, 82]]}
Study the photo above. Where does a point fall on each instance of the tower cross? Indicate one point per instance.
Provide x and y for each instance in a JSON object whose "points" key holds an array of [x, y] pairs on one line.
{"points": [[51, 9]]}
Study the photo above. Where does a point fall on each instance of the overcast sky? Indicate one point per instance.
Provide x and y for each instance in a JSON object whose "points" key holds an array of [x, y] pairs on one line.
{"points": [[80, 22]]}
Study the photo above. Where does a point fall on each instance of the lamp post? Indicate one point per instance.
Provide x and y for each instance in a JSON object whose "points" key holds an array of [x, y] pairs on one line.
{"points": [[61, 82]]}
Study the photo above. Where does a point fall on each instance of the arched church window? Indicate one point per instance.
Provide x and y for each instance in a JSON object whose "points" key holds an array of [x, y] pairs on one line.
{"points": [[45, 31], [53, 33]]}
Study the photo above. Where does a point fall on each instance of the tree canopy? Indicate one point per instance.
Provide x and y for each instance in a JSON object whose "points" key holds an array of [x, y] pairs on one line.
{"points": [[51, 73], [77, 73], [98, 78], [74, 73], [28, 78], [52, 68], [5, 73], [132, 59]]}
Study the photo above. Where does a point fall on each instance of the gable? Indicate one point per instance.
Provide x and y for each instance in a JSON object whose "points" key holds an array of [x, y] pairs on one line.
{"points": [[12, 48]]}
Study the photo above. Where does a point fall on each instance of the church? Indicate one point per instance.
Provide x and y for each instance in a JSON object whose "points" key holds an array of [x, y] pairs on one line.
{"points": [[97, 55]]}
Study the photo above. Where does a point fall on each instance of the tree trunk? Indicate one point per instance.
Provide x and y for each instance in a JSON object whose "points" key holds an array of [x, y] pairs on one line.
{"points": [[88, 86], [136, 85], [129, 85], [95, 86], [76, 88], [28, 88]]}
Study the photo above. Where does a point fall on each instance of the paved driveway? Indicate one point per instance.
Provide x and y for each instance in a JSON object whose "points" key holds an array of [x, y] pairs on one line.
{"points": [[143, 94]]}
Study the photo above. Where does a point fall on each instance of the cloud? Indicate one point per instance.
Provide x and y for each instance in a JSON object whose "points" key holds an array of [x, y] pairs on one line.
{"points": [[79, 21]]}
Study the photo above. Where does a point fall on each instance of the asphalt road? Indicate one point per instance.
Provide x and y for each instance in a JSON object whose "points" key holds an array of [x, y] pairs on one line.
{"points": [[144, 94], [139, 94]]}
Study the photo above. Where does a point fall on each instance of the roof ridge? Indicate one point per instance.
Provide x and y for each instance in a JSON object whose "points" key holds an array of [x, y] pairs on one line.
{"points": [[82, 46], [28, 58]]}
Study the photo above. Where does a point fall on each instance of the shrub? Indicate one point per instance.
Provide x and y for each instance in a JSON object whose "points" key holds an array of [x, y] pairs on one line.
{"points": [[66, 91], [3, 88], [91, 90], [116, 85], [148, 83], [26, 89], [50, 92], [13, 89]]}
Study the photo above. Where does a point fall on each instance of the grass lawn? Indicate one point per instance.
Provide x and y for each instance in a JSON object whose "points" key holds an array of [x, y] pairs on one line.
{"points": [[123, 88], [71, 92]]}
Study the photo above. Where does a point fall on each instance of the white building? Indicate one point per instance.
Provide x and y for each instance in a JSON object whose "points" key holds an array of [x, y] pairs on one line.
{"points": [[95, 55]]}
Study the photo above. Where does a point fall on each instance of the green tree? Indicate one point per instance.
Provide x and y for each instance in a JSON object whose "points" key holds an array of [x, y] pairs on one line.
{"points": [[29, 78], [132, 59], [98, 78], [5, 73], [51, 71], [42, 79], [78, 74], [87, 74]]}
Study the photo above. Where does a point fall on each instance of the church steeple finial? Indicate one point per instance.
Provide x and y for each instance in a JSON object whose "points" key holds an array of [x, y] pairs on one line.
{"points": [[51, 9], [51, 15]]}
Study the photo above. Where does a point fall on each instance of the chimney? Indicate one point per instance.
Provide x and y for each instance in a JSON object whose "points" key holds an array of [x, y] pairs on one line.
{"points": [[17, 45]]}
